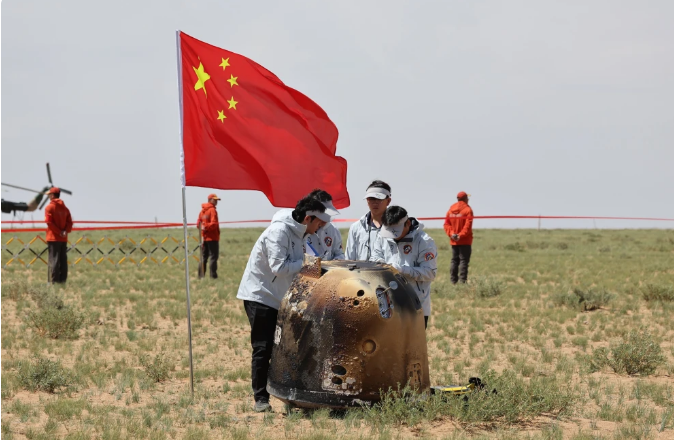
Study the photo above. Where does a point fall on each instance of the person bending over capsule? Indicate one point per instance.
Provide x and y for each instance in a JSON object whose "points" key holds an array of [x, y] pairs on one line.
{"points": [[276, 258], [403, 244]]}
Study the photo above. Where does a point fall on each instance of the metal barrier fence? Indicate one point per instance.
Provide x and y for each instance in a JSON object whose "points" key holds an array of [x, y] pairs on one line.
{"points": [[104, 251]]}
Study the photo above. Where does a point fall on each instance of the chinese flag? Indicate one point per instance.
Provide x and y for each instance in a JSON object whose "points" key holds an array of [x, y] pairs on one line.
{"points": [[244, 129]]}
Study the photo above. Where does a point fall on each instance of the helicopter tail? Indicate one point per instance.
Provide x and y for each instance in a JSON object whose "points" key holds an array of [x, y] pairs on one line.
{"points": [[33, 204]]}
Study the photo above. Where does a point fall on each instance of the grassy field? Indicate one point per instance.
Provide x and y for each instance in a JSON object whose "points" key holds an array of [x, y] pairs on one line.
{"points": [[575, 330]]}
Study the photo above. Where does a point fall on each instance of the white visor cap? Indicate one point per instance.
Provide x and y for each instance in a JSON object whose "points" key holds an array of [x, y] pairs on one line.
{"points": [[330, 208], [377, 193], [322, 215], [393, 231]]}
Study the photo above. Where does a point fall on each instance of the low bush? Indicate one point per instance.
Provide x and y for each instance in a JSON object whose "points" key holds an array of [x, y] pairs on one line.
{"points": [[586, 300], [42, 374], [21, 289], [56, 320], [157, 369], [593, 299], [517, 247], [487, 288], [516, 399], [52, 317], [638, 353], [507, 398], [654, 292]]}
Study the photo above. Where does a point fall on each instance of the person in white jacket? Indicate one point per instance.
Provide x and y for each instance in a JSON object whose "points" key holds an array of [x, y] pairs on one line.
{"points": [[404, 245], [275, 259], [327, 241], [365, 231]]}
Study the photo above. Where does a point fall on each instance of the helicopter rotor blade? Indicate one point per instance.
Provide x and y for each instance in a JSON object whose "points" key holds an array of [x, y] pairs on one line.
{"points": [[49, 174], [44, 202], [20, 187], [63, 190]]}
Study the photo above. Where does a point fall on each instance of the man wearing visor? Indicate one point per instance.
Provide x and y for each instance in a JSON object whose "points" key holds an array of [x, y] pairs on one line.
{"points": [[275, 259], [327, 241], [365, 231], [404, 245]]}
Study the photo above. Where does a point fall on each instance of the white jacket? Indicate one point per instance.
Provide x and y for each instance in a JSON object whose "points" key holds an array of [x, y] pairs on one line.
{"points": [[415, 257], [275, 259], [327, 241], [361, 238]]}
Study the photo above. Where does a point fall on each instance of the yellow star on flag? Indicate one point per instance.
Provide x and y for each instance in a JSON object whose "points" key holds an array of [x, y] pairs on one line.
{"points": [[225, 63], [221, 116], [232, 80], [202, 77], [232, 103]]}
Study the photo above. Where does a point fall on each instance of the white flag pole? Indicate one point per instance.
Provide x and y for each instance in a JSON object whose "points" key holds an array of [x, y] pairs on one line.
{"points": [[182, 181]]}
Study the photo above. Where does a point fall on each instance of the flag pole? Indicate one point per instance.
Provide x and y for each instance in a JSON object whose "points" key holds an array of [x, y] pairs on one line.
{"points": [[182, 181], [187, 290]]}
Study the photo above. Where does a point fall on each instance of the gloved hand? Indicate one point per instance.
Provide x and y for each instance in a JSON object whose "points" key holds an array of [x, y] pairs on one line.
{"points": [[402, 269], [455, 237]]}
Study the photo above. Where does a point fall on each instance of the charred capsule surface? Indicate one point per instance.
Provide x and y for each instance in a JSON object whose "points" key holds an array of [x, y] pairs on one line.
{"points": [[345, 331]]}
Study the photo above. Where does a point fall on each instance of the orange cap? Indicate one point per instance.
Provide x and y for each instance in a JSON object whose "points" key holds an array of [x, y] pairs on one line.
{"points": [[54, 190], [213, 196]]}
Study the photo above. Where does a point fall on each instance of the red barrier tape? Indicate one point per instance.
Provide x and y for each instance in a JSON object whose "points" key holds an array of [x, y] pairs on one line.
{"points": [[92, 222], [150, 225]]}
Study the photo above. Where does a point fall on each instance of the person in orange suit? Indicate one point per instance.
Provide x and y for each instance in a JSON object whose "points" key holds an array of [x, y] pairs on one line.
{"points": [[59, 225], [210, 231], [459, 228]]}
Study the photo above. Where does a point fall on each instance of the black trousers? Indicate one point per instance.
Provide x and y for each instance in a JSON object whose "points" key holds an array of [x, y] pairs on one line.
{"points": [[58, 261], [458, 270], [210, 250], [262, 327]]}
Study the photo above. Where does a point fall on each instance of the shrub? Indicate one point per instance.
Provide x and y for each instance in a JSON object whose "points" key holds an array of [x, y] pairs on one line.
{"points": [[593, 299], [637, 354], [507, 398], [516, 399], [514, 247], [487, 288], [157, 369], [565, 299], [42, 374], [56, 320], [653, 292], [589, 299], [18, 289], [14, 290]]}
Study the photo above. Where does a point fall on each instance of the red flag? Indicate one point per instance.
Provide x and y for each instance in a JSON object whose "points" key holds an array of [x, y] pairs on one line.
{"points": [[244, 129]]}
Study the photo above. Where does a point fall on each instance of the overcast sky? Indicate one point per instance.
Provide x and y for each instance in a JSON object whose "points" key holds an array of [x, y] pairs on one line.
{"points": [[533, 107]]}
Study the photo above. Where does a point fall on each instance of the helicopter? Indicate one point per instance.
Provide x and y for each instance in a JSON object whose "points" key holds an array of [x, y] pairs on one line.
{"points": [[37, 203]]}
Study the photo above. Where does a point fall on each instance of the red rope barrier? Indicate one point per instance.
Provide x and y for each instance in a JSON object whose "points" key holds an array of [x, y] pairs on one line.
{"points": [[150, 225]]}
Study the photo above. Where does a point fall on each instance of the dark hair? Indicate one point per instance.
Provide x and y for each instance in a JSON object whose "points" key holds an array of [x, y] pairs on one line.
{"points": [[379, 184], [320, 195], [57, 195], [393, 215], [305, 204]]}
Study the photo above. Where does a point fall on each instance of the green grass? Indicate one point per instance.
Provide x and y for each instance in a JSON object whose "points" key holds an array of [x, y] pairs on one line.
{"points": [[538, 308]]}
